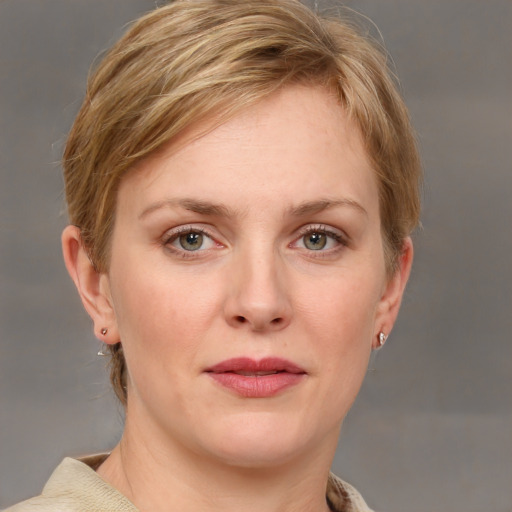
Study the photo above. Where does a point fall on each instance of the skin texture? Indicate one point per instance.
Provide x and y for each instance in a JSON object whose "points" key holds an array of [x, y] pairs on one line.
{"points": [[256, 189]]}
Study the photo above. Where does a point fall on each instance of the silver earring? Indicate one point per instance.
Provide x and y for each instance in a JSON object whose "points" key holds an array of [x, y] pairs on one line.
{"points": [[382, 339], [103, 331]]}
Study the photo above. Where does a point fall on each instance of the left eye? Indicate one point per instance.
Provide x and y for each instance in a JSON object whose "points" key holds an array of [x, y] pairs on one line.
{"points": [[315, 241], [318, 241], [192, 241]]}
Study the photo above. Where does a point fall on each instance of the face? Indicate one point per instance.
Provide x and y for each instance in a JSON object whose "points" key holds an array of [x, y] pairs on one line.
{"points": [[247, 283]]}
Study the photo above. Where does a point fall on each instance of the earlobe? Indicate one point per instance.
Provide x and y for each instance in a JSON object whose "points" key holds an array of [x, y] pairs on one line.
{"points": [[391, 299], [93, 286]]}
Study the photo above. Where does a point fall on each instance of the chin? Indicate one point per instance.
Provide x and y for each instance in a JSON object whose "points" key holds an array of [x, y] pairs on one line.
{"points": [[251, 454], [257, 442]]}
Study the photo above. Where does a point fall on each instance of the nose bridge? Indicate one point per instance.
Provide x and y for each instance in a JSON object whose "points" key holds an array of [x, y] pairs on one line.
{"points": [[258, 295]]}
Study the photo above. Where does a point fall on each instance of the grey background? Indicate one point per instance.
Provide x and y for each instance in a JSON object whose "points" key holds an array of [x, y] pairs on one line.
{"points": [[432, 428]]}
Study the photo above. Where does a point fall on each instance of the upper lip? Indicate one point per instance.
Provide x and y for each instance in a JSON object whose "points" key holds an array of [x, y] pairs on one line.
{"points": [[246, 365]]}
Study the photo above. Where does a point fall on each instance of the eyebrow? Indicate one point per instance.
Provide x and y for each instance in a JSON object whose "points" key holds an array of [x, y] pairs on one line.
{"points": [[193, 205], [311, 207], [219, 210]]}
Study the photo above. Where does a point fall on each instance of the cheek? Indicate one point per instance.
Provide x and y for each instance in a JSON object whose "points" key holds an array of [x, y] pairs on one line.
{"points": [[341, 310], [339, 319], [163, 311]]}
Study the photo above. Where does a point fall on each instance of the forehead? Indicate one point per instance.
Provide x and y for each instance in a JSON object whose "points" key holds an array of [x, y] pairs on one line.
{"points": [[297, 145]]}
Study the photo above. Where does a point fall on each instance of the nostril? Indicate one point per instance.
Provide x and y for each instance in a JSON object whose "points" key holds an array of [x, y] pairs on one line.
{"points": [[259, 324]]}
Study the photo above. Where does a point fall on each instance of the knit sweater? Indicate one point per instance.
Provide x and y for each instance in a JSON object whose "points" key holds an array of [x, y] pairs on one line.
{"points": [[75, 487]]}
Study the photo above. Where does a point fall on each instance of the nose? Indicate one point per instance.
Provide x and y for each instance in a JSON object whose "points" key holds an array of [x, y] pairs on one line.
{"points": [[258, 298]]}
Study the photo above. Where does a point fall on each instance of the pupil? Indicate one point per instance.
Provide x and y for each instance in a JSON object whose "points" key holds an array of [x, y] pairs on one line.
{"points": [[191, 241], [316, 241]]}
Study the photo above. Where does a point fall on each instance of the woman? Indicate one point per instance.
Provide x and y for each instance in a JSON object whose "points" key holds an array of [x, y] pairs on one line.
{"points": [[242, 181]]}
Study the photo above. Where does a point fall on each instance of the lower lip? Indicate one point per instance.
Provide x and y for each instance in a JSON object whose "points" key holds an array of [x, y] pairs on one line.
{"points": [[260, 386]]}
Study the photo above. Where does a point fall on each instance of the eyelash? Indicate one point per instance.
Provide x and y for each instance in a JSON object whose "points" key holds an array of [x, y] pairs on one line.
{"points": [[171, 237], [339, 238]]}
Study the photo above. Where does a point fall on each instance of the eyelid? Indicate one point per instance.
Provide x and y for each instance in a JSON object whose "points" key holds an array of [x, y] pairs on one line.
{"points": [[336, 234], [174, 233], [339, 236], [322, 228]]}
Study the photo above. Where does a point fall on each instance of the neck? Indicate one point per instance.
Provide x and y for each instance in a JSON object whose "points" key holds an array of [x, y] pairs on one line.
{"points": [[158, 479]]}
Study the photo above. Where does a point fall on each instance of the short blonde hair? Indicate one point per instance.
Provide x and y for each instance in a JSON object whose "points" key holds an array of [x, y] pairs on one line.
{"points": [[196, 58]]}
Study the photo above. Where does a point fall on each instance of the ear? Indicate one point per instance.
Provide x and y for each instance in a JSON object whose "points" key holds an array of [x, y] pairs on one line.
{"points": [[389, 304], [93, 286]]}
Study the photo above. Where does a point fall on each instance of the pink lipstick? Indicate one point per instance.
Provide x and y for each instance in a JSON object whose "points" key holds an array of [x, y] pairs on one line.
{"points": [[256, 379]]}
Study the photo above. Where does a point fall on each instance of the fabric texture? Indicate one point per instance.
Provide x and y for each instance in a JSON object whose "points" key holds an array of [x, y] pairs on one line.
{"points": [[76, 487]]}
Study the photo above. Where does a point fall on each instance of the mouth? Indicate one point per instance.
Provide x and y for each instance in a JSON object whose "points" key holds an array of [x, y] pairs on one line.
{"points": [[256, 374], [256, 379]]}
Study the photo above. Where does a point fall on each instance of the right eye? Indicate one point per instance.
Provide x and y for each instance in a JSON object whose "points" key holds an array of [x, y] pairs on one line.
{"points": [[190, 240], [320, 239]]}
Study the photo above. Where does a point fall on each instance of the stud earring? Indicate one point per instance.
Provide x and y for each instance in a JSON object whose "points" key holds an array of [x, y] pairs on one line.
{"points": [[103, 332], [381, 339]]}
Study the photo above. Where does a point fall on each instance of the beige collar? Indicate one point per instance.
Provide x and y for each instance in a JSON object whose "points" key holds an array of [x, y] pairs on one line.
{"points": [[77, 480]]}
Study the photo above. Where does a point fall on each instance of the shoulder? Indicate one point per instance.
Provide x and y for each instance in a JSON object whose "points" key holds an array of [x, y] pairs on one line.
{"points": [[75, 487], [342, 497], [41, 504]]}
